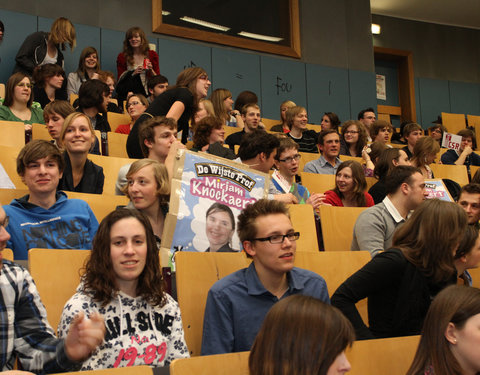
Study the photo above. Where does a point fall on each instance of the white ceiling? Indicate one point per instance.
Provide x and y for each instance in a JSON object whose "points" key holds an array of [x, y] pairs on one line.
{"points": [[463, 13]]}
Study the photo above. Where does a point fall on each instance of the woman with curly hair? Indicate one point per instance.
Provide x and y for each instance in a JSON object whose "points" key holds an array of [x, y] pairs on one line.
{"points": [[123, 282], [209, 136]]}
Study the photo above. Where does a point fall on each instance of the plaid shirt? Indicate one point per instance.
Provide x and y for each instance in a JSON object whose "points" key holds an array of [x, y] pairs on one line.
{"points": [[24, 329]]}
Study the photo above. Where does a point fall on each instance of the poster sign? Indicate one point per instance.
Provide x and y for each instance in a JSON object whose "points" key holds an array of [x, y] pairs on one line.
{"points": [[381, 87], [451, 141], [436, 189], [203, 184]]}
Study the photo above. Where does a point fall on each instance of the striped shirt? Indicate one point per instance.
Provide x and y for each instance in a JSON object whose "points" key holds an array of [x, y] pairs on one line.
{"points": [[24, 329]]}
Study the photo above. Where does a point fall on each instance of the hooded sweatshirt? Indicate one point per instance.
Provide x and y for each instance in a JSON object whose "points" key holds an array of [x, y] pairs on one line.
{"points": [[68, 224], [137, 333]]}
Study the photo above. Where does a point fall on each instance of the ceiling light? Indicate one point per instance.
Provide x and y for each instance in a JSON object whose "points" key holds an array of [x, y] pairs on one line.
{"points": [[165, 13], [205, 23], [375, 29], [260, 36]]}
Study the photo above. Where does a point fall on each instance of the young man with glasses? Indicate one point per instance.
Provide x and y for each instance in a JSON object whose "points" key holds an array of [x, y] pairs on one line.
{"points": [[238, 303], [283, 178]]}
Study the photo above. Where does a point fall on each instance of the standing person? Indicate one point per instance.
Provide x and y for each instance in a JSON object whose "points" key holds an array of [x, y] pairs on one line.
{"points": [[123, 282], [17, 105], [297, 121], [353, 139], [283, 126], [401, 282], [27, 335], [449, 339], [54, 115], [88, 67], [49, 85], [148, 188], [135, 64], [223, 107], [45, 218], [80, 174], [330, 120], [350, 187], [219, 227], [303, 336], [424, 153], [45, 48], [136, 105], [178, 102]]}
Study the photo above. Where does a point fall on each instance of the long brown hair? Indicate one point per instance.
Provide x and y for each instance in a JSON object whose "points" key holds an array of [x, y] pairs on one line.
{"points": [[218, 100], [455, 304], [127, 48], [12, 82], [300, 335], [362, 135], [358, 176], [424, 147], [430, 236], [99, 277]]}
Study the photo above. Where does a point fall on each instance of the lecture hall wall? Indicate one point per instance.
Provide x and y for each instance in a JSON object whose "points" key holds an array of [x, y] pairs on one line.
{"points": [[336, 72]]}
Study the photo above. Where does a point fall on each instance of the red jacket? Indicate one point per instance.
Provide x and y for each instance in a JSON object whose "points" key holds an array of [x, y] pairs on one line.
{"points": [[122, 62]]}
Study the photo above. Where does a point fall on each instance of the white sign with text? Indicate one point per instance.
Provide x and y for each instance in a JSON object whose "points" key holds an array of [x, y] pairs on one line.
{"points": [[451, 141]]}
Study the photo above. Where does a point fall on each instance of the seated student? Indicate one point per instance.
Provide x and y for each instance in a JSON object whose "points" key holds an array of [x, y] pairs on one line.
{"points": [[108, 78], [223, 106], [380, 131], [244, 98], [283, 126], [283, 177], [88, 68], [49, 85], [209, 136], [400, 282], [450, 334], [123, 282], [251, 119], [80, 174], [469, 200], [424, 153], [375, 227], [353, 139], [467, 256], [26, 333], [397, 136], [465, 156], [367, 118], [54, 115], [148, 188], [297, 122], [350, 187], [330, 120], [412, 132], [329, 146], [237, 304], [158, 141], [156, 85], [205, 108], [45, 218], [436, 132], [258, 149], [219, 228], [303, 336], [136, 105], [92, 101], [17, 105], [388, 159]]}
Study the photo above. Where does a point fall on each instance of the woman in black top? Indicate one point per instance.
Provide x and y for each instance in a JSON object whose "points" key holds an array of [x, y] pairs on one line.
{"points": [[49, 84], [401, 282], [178, 102], [80, 174]]}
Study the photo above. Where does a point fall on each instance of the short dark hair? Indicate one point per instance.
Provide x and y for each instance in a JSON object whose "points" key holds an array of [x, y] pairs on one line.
{"points": [[155, 80], [245, 97], [362, 112], [323, 134], [43, 72], [379, 125], [146, 130], [471, 188], [35, 150], [255, 143], [468, 133], [399, 175], [263, 207], [204, 129], [91, 94], [410, 128]]}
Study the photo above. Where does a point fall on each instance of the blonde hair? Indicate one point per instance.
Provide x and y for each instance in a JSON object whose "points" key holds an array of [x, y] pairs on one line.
{"points": [[63, 31], [69, 119]]}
